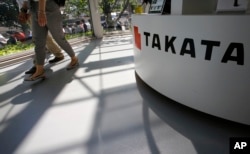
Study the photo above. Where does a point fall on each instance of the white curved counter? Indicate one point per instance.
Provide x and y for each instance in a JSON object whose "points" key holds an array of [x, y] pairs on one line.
{"points": [[200, 61]]}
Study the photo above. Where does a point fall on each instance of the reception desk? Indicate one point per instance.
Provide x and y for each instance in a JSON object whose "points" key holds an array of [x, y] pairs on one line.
{"points": [[200, 61]]}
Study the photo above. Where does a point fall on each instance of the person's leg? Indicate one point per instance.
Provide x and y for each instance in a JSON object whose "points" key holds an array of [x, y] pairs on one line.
{"points": [[32, 70], [54, 23], [39, 38], [54, 49]]}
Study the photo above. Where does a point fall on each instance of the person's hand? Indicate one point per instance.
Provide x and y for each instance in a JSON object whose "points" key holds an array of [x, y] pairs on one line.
{"points": [[42, 19], [23, 17]]}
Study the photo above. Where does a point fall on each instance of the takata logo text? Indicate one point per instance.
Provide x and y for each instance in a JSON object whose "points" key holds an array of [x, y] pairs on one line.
{"points": [[234, 51]]}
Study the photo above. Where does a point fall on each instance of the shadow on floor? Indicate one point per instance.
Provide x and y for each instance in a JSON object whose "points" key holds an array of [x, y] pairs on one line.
{"points": [[208, 134], [37, 97]]}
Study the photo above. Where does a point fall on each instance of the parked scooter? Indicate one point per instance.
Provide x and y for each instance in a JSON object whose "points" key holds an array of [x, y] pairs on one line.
{"points": [[3, 41]]}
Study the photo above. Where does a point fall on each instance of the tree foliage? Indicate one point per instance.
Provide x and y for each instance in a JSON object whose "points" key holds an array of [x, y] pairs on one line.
{"points": [[8, 13], [76, 7], [120, 6]]}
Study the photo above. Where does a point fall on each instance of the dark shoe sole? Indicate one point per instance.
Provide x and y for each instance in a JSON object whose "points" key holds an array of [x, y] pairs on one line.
{"points": [[31, 71], [41, 76], [56, 59]]}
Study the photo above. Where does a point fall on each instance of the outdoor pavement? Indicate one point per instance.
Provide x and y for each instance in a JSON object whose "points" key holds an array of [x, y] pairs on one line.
{"points": [[102, 107]]}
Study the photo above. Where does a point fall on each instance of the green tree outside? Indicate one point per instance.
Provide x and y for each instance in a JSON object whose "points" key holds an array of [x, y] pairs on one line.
{"points": [[8, 13], [76, 7]]}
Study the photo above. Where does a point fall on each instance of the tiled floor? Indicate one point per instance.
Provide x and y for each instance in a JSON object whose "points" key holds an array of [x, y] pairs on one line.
{"points": [[101, 108]]}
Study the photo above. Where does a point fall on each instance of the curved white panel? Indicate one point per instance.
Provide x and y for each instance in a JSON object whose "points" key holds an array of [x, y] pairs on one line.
{"points": [[200, 61]]}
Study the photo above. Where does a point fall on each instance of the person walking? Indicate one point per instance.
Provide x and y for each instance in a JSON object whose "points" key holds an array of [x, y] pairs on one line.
{"points": [[46, 16], [24, 17]]}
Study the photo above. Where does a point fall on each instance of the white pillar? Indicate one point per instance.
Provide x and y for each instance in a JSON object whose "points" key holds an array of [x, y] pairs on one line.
{"points": [[95, 17], [176, 7]]}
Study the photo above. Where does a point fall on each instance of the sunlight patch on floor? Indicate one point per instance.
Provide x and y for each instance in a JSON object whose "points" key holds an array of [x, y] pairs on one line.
{"points": [[62, 126]]}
